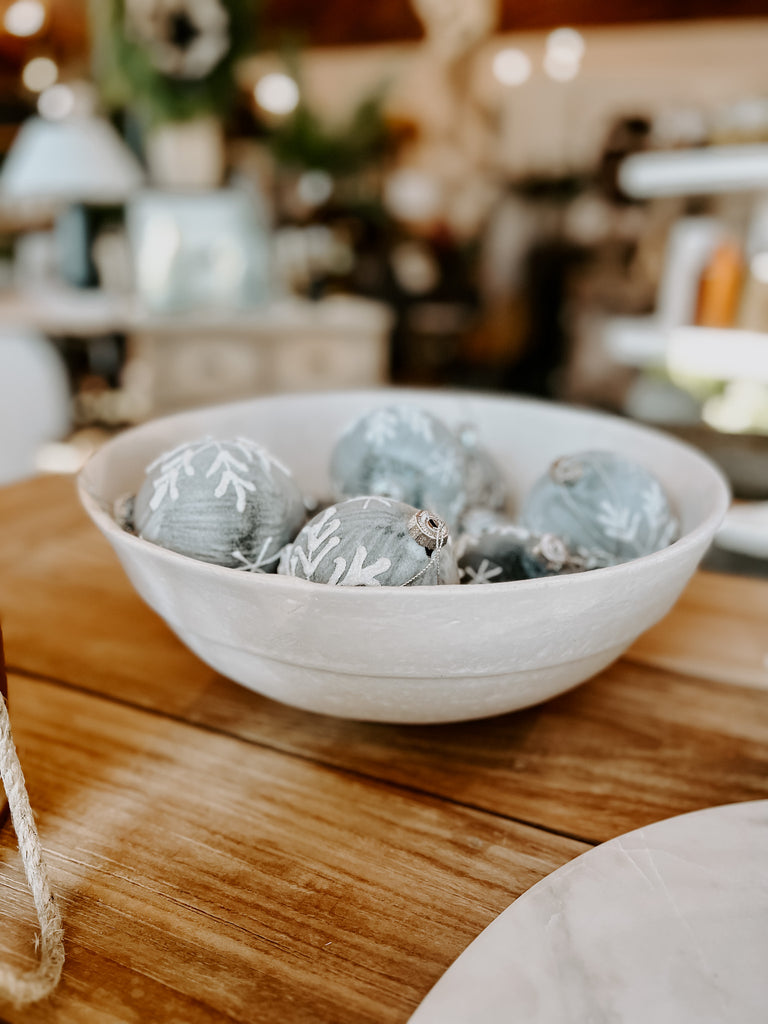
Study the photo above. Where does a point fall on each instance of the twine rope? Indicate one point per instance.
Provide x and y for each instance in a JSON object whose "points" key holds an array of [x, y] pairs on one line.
{"points": [[20, 988]]}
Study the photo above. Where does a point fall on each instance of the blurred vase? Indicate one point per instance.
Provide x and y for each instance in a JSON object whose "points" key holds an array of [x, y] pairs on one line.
{"points": [[186, 154]]}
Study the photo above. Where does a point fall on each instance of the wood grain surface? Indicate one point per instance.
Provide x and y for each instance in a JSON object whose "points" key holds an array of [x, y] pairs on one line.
{"points": [[202, 877], [220, 856]]}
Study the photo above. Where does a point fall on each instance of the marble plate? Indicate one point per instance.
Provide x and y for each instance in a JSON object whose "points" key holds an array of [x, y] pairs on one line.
{"points": [[745, 529], [668, 924]]}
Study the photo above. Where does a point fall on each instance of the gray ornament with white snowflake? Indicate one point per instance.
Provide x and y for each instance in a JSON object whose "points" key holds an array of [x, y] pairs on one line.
{"points": [[229, 502], [505, 553], [476, 520], [483, 476], [372, 541], [404, 453], [493, 556], [606, 508]]}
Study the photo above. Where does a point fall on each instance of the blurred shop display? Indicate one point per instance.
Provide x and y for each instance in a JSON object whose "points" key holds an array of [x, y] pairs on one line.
{"points": [[198, 251], [213, 210], [172, 68], [702, 354]]}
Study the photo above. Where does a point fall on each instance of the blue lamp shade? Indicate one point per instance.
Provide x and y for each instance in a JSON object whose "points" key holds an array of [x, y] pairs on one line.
{"points": [[78, 159]]}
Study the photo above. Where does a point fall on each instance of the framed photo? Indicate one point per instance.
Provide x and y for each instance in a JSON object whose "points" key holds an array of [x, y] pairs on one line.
{"points": [[199, 251]]}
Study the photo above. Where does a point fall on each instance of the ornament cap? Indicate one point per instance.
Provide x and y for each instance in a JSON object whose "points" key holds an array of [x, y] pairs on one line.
{"points": [[428, 529], [566, 470]]}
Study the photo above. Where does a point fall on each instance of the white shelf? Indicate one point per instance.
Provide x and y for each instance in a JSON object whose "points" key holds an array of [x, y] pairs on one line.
{"points": [[705, 171]]}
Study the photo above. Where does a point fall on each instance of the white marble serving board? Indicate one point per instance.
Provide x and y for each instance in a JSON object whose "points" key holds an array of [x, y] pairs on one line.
{"points": [[665, 925]]}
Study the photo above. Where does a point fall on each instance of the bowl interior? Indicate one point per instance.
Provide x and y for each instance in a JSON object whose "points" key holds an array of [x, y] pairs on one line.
{"points": [[523, 435]]}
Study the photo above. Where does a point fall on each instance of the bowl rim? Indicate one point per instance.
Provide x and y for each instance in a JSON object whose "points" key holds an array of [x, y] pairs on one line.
{"points": [[703, 532]]}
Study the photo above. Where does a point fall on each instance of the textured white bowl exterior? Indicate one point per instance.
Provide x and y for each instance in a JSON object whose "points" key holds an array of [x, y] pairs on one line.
{"points": [[425, 654]]}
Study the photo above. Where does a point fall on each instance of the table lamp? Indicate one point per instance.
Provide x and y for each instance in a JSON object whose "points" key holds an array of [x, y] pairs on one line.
{"points": [[74, 162]]}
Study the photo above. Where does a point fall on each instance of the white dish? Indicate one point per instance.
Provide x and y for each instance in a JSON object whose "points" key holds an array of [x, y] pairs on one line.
{"points": [[427, 654], [665, 925], [745, 529]]}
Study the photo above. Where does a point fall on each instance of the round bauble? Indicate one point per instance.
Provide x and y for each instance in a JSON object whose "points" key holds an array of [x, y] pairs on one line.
{"points": [[502, 554], [483, 477], [604, 507], [229, 502], [494, 555], [404, 453], [372, 541]]}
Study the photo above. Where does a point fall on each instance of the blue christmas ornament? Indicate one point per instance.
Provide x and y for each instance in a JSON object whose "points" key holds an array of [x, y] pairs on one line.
{"points": [[372, 541], [404, 453], [228, 502], [604, 507], [505, 553], [493, 556], [483, 477]]}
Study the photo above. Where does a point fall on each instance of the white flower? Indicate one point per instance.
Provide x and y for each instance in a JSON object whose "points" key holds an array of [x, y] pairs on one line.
{"points": [[184, 38]]}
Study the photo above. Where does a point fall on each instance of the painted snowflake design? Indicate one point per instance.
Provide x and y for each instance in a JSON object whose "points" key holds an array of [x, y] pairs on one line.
{"points": [[319, 538], [382, 426], [417, 421], [485, 572], [261, 562], [447, 466], [232, 461]]}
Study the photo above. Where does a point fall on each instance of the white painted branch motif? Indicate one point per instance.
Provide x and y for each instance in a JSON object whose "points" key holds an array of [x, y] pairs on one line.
{"points": [[319, 540], [618, 523], [230, 468], [233, 469], [359, 574], [171, 464]]}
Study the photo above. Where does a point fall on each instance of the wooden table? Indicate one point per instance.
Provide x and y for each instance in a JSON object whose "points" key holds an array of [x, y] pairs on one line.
{"points": [[220, 857]]}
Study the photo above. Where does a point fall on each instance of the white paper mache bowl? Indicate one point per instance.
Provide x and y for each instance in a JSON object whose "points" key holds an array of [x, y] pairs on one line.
{"points": [[419, 654]]}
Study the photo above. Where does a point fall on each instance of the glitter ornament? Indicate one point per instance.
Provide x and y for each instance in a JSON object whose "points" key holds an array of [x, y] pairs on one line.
{"points": [[404, 453], [483, 477], [372, 541], [228, 502], [604, 507]]}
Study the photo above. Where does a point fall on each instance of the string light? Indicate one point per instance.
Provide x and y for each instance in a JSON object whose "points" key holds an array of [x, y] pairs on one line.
{"points": [[56, 103], [564, 51], [39, 73], [24, 18], [512, 66], [277, 93]]}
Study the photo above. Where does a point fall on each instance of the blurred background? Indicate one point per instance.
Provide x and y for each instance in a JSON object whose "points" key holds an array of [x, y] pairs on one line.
{"points": [[202, 200]]}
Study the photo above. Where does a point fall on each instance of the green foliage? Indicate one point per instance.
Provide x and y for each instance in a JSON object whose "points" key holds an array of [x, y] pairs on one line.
{"points": [[128, 79], [304, 141]]}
